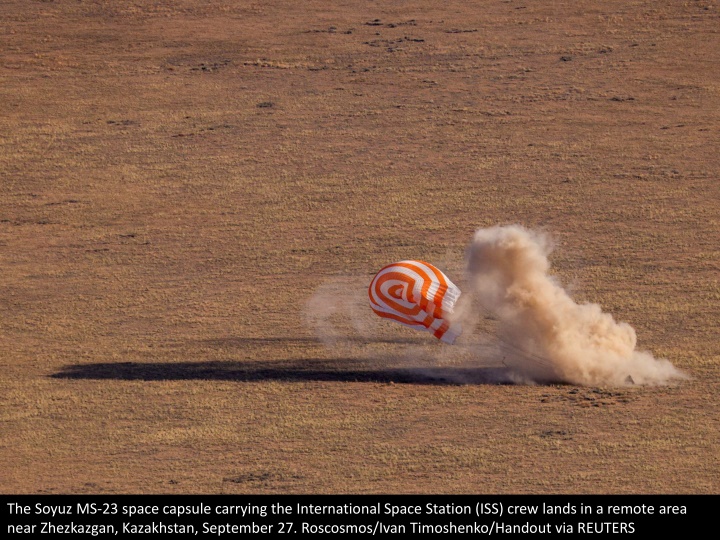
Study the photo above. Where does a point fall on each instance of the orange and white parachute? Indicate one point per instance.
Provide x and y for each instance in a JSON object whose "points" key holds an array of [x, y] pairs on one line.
{"points": [[416, 294]]}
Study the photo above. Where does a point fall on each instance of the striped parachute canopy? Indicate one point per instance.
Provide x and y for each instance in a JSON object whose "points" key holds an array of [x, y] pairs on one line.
{"points": [[416, 294]]}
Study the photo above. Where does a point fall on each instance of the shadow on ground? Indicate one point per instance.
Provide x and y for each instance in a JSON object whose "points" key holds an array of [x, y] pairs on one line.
{"points": [[246, 341], [309, 370]]}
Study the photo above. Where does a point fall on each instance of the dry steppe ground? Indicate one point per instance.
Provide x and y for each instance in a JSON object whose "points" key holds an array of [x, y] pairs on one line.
{"points": [[180, 179]]}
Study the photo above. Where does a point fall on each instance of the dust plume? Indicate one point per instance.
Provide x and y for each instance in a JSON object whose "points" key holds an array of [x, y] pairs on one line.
{"points": [[520, 325], [543, 334]]}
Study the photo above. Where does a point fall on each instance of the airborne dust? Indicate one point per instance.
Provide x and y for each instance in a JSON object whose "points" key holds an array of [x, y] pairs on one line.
{"points": [[520, 325], [547, 335]]}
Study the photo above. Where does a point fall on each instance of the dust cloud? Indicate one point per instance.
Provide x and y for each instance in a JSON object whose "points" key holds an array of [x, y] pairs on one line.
{"points": [[544, 335], [520, 325]]}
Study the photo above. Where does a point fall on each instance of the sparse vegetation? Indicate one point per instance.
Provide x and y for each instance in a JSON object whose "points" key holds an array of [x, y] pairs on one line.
{"points": [[176, 181]]}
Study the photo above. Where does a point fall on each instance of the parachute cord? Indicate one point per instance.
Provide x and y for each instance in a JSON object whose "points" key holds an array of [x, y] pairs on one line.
{"points": [[527, 355], [517, 350]]}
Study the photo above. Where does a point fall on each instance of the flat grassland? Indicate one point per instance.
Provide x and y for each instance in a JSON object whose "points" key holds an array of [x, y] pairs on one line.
{"points": [[181, 180]]}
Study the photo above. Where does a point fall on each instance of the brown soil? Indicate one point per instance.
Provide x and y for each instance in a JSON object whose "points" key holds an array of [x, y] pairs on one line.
{"points": [[179, 179]]}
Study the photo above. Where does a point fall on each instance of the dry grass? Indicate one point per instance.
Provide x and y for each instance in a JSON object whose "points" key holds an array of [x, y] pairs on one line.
{"points": [[178, 180]]}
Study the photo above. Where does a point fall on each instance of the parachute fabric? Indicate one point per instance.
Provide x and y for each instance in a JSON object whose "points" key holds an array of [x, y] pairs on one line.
{"points": [[418, 295]]}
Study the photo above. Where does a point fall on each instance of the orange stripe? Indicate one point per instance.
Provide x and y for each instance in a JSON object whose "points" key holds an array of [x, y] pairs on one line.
{"points": [[427, 322], [440, 332], [426, 279], [377, 288], [396, 291]]}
